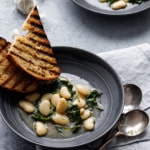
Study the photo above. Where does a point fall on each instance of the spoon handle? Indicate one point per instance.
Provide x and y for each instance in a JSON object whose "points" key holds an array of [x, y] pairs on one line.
{"points": [[109, 140]]}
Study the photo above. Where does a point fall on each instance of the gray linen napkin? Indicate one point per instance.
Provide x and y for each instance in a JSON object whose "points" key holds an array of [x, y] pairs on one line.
{"points": [[133, 66]]}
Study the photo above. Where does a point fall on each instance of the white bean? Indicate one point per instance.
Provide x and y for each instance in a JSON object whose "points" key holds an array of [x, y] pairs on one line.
{"points": [[86, 114], [103, 0], [60, 119], [80, 102], [82, 111], [55, 98], [27, 106], [89, 123], [64, 92], [63, 78], [61, 106], [40, 128], [33, 97], [83, 90], [46, 96], [44, 107], [119, 4]]}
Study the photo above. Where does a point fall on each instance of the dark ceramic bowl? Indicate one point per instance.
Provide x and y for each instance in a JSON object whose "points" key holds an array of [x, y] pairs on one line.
{"points": [[84, 65], [101, 8]]}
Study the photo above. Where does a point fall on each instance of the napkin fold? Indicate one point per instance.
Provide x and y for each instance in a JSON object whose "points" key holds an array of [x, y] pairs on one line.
{"points": [[133, 66]]}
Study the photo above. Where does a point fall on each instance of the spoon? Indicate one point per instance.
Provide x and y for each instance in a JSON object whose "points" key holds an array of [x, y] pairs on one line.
{"points": [[132, 96], [130, 124]]}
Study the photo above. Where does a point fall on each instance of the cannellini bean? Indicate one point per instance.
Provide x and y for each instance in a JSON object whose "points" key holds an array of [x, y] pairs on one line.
{"points": [[40, 128], [64, 92], [83, 90], [119, 4], [55, 98], [61, 106], [82, 111], [44, 107], [60, 119], [80, 102], [63, 78], [102, 0], [86, 114], [33, 97], [89, 123], [46, 96], [27, 106]]}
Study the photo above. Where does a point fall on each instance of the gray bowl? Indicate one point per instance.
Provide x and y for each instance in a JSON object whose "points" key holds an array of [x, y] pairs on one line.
{"points": [[105, 10], [89, 67]]}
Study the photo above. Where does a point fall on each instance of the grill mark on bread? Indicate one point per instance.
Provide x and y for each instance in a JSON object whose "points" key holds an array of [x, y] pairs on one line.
{"points": [[4, 53], [17, 55], [35, 16], [41, 35], [7, 68], [2, 60], [3, 44], [41, 61], [47, 45], [35, 48], [45, 69], [51, 72], [9, 79], [24, 83], [37, 38], [33, 21], [27, 85], [39, 45], [34, 24], [1, 48]]}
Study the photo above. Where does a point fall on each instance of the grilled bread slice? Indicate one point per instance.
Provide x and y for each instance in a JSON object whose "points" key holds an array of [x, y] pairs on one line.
{"points": [[13, 78], [33, 52]]}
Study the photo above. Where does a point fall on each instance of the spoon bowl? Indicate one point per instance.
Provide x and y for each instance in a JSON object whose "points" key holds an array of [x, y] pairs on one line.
{"points": [[132, 97], [131, 124]]}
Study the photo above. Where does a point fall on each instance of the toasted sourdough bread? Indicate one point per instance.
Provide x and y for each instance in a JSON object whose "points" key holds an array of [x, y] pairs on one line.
{"points": [[13, 78], [33, 52]]}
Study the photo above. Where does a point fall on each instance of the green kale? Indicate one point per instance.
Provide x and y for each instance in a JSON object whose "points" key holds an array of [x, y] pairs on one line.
{"points": [[91, 99], [39, 117], [55, 87], [73, 112]]}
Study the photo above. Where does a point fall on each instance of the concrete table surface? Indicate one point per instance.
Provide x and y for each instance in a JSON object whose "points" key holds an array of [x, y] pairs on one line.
{"points": [[69, 25]]}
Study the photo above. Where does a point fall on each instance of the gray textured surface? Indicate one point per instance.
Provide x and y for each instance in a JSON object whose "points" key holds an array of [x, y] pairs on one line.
{"points": [[69, 25]]}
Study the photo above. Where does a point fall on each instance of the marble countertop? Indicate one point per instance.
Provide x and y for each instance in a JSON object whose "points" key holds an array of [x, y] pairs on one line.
{"points": [[69, 25]]}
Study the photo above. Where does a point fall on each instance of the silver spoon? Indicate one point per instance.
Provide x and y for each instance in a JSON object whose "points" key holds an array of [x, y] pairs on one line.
{"points": [[132, 96], [131, 124]]}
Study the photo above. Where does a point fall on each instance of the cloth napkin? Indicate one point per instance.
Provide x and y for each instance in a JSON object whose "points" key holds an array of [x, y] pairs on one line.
{"points": [[133, 66]]}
